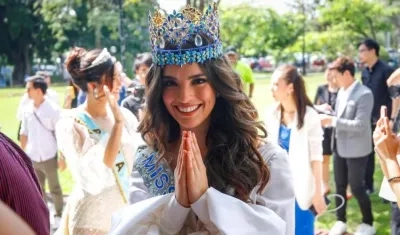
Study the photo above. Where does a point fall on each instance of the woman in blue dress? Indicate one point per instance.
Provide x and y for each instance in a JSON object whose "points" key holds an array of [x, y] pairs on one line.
{"points": [[295, 126]]}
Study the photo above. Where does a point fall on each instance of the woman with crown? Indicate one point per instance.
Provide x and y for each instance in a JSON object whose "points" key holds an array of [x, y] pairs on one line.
{"points": [[98, 140], [206, 168]]}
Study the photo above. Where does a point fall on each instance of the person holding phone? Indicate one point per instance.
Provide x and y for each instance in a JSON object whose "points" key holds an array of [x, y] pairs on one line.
{"points": [[387, 146], [325, 102]]}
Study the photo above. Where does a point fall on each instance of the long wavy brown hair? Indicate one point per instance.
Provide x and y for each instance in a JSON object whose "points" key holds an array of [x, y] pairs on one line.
{"points": [[233, 136]]}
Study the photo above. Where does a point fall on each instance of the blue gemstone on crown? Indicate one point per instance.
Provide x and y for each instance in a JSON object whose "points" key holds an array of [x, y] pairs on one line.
{"points": [[177, 29]]}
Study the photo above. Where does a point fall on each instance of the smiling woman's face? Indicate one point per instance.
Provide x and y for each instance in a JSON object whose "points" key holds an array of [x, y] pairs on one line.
{"points": [[188, 95]]}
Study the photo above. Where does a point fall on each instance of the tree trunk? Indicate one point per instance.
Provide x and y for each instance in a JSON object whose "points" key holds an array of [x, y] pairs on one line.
{"points": [[21, 61], [201, 5], [18, 73]]}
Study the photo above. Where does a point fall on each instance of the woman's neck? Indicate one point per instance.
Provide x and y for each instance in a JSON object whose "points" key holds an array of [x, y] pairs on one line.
{"points": [[96, 108], [288, 106]]}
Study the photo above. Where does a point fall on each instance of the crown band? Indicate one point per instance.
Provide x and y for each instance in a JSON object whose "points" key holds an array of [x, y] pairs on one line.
{"points": [[176, 29], [187, 56]]}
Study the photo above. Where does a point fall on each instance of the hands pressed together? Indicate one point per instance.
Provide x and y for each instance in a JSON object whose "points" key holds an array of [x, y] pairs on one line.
{"points": [[190, 173]]}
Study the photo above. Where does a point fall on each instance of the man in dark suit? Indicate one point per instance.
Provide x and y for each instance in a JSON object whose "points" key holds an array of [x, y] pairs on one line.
{"points": [[374, 76]]}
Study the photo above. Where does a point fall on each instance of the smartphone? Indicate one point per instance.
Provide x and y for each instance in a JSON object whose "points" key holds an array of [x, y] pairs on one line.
{"points": [[71, 91], [327, 202]]}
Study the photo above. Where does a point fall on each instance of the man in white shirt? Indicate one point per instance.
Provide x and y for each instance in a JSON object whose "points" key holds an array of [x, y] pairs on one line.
{"points": [[50, 94], [39, 119]]}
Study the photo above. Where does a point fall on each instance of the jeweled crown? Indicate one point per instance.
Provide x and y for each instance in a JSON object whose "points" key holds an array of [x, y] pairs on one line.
{"points": [[179, 27]]}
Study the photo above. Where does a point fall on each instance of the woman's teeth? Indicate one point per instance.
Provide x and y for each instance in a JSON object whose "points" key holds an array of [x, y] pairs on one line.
{"points": [[188, 109]]}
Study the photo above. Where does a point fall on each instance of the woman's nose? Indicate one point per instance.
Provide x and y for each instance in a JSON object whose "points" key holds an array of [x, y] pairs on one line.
{"points": [[185, 94]]}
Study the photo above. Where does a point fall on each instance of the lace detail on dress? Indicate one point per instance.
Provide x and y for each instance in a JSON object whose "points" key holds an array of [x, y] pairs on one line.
{"points": [[96, 195]]}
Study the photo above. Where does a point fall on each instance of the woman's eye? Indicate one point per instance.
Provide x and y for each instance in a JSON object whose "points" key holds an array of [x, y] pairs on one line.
{"points": [[168, 83], [199, 81]]}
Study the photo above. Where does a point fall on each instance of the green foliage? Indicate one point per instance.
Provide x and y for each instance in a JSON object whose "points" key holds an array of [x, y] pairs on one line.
{"points": [[362, 17], [259, 31]]}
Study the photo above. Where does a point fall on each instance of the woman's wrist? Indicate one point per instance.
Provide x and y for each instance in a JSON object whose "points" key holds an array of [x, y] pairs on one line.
{"points": [[393, 169]]}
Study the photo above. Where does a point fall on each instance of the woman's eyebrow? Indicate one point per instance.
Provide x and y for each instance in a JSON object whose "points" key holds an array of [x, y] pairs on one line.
{"points": [[197, 76], [169, 77], [190, 77]]}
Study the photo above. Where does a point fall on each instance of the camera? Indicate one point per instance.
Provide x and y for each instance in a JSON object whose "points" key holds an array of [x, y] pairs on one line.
{"points": [[139, 92]]}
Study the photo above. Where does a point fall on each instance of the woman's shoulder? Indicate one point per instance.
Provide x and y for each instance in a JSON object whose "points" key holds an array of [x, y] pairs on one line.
{"points": [[269, 150], [310, 111], [67, 117], [271, 110]]}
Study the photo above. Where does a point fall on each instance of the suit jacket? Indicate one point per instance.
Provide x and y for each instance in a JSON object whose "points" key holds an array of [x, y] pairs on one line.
{"points": [[353, 123], [304, 147]]}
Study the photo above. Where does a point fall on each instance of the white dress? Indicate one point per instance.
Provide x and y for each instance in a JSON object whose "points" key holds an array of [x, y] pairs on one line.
{"points": [[96, 194], [271, 213]]}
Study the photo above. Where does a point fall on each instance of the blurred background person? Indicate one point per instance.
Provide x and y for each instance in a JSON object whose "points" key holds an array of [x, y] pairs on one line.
{"points": [[50, 94], [325, 102], [136, 91], [243, 69], [293, 124], [374, 76], [37, 127]]}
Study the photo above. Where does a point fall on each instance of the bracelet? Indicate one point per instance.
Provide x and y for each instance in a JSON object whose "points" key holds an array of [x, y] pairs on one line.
{"points": [[394, 179]]}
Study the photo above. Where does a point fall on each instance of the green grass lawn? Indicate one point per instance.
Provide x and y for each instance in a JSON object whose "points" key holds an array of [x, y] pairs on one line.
{"points": [[9, 99]]}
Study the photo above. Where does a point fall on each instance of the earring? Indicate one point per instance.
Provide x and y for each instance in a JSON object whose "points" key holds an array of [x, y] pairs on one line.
{"points": [[96, 93]]}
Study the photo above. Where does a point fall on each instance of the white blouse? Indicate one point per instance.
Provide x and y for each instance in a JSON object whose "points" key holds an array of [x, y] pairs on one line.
{"points": [[305, 146], [214, 213]]}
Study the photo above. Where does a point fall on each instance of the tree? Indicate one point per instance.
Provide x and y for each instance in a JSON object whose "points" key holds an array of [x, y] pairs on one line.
{"points": [[23, 33], [95, 24], [259, 31], [358, 16]]}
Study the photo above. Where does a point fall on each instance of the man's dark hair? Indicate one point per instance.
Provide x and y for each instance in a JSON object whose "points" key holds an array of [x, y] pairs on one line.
{"points": [[370, 44], [342, 64], [38, 82], [142, 59]]}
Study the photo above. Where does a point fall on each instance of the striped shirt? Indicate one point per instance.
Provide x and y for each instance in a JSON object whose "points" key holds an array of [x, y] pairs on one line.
{"points": [[19, 187]]}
